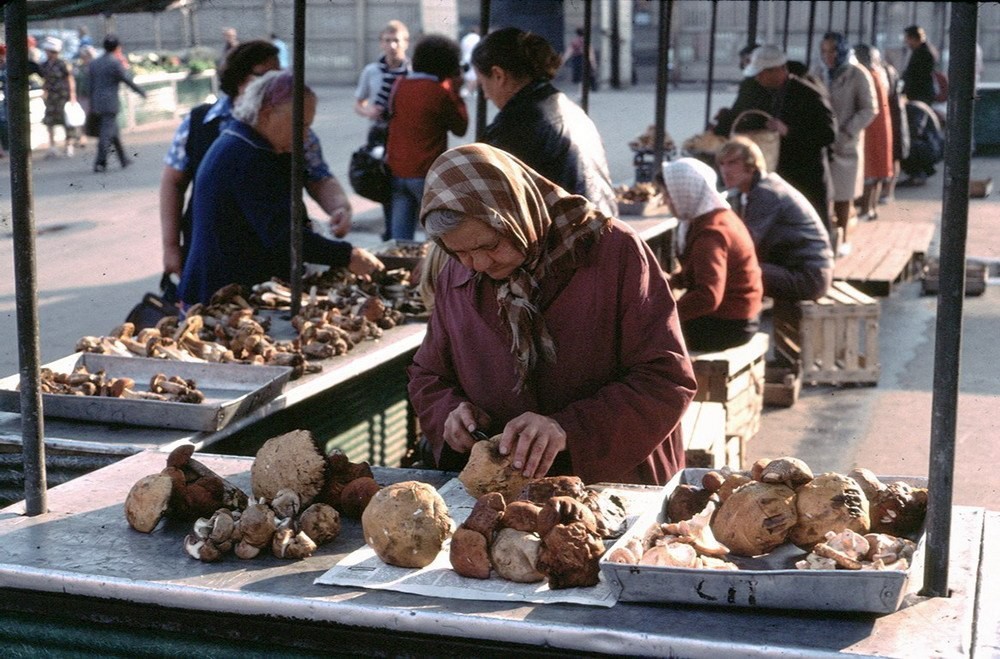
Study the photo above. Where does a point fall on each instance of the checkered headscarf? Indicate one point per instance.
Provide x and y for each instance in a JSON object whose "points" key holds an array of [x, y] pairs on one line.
{"points": [[691, 186], [551, 226]]}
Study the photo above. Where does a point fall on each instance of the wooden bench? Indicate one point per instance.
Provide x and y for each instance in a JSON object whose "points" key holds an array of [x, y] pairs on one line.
{"points": [[704, 429], [833, 339], [735, 378], [884, 254]]}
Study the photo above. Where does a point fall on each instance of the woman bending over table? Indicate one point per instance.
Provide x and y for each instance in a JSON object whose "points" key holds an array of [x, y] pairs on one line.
{"points": [[553, 324]]}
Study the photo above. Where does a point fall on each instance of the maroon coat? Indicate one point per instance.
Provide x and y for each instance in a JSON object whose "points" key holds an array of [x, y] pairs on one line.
{"points": [[621, 381]]}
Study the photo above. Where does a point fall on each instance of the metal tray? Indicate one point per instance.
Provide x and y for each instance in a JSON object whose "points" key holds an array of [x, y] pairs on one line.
{"points": [[393, 262], [231, 391], [770, 581]]}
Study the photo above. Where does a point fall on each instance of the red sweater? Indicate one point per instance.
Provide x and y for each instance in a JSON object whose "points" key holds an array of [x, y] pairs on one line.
{"points": [[423, 111], [719, 269]]}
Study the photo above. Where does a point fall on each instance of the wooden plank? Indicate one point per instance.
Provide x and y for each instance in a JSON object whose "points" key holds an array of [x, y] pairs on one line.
{"points": [[884, 253]]}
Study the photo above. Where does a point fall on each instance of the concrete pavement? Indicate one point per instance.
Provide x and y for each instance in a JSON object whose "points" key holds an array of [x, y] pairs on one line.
{"points": [[98, 251]]}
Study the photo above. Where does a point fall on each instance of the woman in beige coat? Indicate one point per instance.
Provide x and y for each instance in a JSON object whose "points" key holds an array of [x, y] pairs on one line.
{"points": [[852, 95]]}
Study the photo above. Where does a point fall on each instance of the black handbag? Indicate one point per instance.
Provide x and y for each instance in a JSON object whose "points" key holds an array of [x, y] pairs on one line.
{"points": [[153, 307], [92, 125], [369, 176]]}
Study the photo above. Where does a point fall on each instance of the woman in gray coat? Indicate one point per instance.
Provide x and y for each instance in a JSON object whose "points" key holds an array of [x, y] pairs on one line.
{"points": [[852, 95]]}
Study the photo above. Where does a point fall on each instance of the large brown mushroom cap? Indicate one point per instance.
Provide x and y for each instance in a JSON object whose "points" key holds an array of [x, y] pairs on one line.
{"points": [[406, 524], [488, 471], [290, 461], [755, 518], [830, 502], [147, 502]]}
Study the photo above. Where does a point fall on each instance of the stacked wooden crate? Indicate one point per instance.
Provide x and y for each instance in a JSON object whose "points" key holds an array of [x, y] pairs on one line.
{"points": [[734, 378], [833, 339]]}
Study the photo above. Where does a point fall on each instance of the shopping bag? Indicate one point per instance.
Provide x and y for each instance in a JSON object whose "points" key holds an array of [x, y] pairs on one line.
{"points": [[369, 176], [74, 114], [768, 140], [92, 125], [153, 308]]}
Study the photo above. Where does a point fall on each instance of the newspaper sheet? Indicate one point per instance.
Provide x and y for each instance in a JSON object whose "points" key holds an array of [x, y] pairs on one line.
{"points": [[362, 568]]}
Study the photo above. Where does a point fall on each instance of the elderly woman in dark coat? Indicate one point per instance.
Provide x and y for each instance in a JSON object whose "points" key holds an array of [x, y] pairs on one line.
{"points": [[553, 325], [537, 122]]}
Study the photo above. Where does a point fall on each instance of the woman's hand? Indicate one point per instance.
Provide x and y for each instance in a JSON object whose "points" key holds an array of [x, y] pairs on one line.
{"points": [[460, 423], [536, 440], [364, 262]]}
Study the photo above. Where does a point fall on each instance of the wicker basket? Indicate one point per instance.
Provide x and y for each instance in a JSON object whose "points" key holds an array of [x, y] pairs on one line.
{"points": [[768, 140]]}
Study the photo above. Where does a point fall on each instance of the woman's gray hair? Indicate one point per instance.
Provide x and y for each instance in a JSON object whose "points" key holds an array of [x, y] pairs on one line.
{"points": [[270, 90], [440, 221]]}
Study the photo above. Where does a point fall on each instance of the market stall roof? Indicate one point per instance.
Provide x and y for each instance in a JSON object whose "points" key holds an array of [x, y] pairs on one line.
{"points": [[42, 10]]}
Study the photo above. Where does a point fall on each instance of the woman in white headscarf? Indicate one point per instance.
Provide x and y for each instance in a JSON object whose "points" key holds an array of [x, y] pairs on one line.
{"points": [[553, 326], [721, 278]]}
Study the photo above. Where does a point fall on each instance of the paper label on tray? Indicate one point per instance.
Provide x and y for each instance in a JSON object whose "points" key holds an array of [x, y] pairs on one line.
{"points": [[362, 568]]}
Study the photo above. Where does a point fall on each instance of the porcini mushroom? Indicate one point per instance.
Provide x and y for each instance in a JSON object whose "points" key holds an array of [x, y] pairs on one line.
{"points": [[147, 502], [292, 461]]}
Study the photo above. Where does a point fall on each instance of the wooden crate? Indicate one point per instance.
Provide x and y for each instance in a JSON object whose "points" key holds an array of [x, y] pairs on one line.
{"points": [[705, 442], [782, 385], [834, 339], [735, 378], [975, 278], [704, 429]]}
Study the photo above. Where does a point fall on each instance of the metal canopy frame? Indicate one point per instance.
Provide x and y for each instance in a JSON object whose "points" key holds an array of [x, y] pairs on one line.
{"points": [[954, 229]]}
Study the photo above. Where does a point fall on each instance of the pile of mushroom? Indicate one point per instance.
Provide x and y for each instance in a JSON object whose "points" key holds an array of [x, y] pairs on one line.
{"points": [[339, 312], [687, 543], [554, 530], [853, 520], [298, 498]]}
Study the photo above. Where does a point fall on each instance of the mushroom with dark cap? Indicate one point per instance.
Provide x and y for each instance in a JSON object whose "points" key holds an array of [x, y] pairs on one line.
{"points": [[255, 529]]}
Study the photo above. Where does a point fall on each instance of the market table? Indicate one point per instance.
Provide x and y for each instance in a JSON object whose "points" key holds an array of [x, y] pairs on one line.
{"points": [[81, 562], [75, 447]]}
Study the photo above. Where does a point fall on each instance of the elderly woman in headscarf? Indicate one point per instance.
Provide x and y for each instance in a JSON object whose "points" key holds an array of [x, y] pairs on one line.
{"points": [[720, 275], [553, 326], [855, 104]]}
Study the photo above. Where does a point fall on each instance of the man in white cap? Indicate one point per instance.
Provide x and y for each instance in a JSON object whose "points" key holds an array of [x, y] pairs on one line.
{"points": [[803, 117], [58, 88]]}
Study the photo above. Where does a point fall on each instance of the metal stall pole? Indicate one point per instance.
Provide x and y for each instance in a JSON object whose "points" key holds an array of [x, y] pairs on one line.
{"points": [[298, 157], [788, 17], [951, 294], [809, 32], [22, 210], [616, 46], [861, 25], [662, 67], [829, 16], [847, 20], [711, 63], [752, 22], [875, 24], [588, 15], [484, 27]]}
